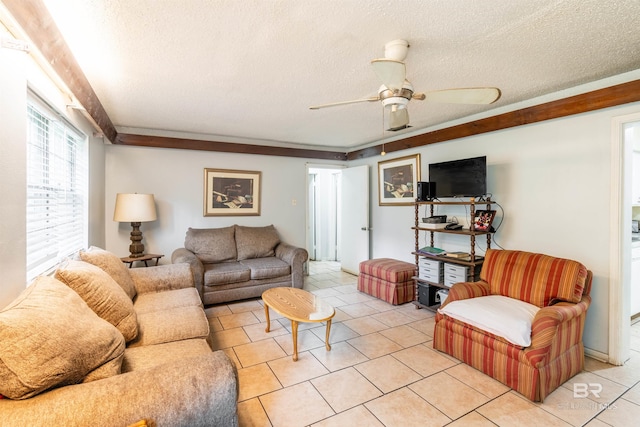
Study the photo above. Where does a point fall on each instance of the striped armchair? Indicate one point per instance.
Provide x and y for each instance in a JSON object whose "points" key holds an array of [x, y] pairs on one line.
{"points": [[557, 289]]}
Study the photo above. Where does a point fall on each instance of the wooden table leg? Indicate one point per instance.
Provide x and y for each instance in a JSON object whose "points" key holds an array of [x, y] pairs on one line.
{"points": [[294, 333], [326, 340], [266, 314]]}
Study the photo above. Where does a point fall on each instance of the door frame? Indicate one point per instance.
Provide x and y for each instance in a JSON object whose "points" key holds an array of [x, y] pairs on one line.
{"points": [[620, 242], [307, 195]]}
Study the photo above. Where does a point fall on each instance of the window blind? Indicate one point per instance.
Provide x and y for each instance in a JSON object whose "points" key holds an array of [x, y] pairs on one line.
{"points": [[56, 189]]}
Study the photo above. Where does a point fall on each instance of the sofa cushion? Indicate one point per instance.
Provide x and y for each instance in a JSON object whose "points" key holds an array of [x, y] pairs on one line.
{"points": [[136, 358], [50, 337], [225, 273], [266, 268], [113, 265], [212, 244], [535, 278], [175, 324], [102, 294], [256, 242], [505, 317], [165, 300]]}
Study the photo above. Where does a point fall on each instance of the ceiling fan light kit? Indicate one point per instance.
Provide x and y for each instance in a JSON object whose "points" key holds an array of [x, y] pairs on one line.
{"points": [[396, 91]]}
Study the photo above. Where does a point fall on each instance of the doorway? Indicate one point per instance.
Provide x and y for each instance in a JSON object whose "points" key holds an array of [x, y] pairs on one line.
{"points": [[624, 131], [324, 185]]}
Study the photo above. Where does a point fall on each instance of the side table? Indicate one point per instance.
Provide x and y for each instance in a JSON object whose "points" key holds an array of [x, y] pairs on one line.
{"points": [[144, 258]]}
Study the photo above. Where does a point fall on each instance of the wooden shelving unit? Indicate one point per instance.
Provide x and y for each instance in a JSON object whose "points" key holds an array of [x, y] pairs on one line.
{"points": [[427, 289]]}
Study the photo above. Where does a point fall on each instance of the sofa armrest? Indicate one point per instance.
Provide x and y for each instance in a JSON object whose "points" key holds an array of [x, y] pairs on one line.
{"points": [[199, 390], [181, 255], [161, 278], [295, 257], [554, 325]]}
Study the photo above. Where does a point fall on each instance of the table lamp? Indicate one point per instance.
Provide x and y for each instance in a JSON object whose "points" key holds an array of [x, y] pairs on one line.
{"points": [[135, 208]]}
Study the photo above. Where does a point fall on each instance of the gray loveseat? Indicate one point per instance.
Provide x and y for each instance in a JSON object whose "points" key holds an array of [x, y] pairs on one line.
{"points": [[238, 262], [102, 345]]}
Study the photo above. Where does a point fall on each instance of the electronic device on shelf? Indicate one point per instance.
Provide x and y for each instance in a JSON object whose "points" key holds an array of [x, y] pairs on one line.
{"points": [[453, 226], [460, 178], [435, 219], [426, 191]]}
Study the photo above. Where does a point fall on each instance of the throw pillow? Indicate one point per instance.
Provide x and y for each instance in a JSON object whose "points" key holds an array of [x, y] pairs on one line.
{"points": [[212, 244], [256, 242], [113, 265], [49, 337], [102, 294]]}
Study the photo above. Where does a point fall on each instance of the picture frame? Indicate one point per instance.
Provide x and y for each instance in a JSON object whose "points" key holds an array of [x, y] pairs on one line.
{"points": [[483, 220], [230, 192], [398, 180]]}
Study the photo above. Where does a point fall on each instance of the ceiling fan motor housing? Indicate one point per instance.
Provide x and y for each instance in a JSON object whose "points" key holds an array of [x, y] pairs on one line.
{"points": [[399, 97]]}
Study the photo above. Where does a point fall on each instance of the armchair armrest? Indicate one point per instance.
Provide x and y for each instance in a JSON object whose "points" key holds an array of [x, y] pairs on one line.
{"points": [[296, 258], [465, 290], [182, 255], [208, 382], [552, 325]]}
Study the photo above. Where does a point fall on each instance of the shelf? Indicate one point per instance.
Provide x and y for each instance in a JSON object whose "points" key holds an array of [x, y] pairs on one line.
{"points": [[460, 203], [464, 232], [428, 283], [476, 260], [434, 307]]}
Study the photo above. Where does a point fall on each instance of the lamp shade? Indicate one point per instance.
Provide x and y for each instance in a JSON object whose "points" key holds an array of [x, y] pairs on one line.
{"points": [[134, 208]]}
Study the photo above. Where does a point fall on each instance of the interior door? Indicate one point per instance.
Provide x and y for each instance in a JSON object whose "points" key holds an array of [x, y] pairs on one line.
{"points": [[354, 211]]}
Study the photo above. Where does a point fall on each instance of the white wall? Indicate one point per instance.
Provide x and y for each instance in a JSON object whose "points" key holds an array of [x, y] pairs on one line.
{"points": [[18, 72], [176, 178], [553, 181], [13, 181]]}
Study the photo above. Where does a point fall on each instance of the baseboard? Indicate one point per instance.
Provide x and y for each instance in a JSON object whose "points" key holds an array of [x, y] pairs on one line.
{"points": [[594, 354]]}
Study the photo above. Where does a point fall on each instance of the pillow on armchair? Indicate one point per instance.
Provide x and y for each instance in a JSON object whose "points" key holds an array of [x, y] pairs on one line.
{"points": [[49, 337], [256, 242]]}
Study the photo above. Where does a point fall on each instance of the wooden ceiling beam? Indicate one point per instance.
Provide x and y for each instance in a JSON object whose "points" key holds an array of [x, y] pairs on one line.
{"points": [[623, 93], [225, 147], [37, 23]]}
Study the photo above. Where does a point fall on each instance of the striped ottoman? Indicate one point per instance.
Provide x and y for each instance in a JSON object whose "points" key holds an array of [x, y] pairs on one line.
{"points": [[387, 279]]}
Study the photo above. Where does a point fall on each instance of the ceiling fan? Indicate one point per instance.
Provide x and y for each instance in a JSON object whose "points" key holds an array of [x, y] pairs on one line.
{"points": [[396, 91]]}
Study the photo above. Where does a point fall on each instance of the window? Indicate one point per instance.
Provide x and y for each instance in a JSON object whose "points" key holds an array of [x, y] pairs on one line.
{"points": [[56, 189]]}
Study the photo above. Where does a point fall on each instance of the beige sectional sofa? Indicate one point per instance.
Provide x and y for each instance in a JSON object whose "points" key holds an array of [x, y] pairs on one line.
{"points": [[238, 262], [103, 345]]}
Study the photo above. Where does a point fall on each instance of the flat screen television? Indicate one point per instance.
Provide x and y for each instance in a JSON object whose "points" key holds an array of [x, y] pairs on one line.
{"points": [[460, 178]]}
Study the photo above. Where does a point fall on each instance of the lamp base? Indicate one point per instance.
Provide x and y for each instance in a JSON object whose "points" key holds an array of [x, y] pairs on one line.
{"points": [[136, 247]]}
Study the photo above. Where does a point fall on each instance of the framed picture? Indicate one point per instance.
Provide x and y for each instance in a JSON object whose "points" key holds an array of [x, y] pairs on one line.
{"points": [[398, 180], [483, 220], [231, 192]]}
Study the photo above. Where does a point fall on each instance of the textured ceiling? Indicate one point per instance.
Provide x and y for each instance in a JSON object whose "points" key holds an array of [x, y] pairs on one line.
{"points": [[247, 70]]}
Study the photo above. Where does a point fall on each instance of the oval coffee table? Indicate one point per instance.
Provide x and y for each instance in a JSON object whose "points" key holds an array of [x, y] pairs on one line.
{"points": [[298, 305]]}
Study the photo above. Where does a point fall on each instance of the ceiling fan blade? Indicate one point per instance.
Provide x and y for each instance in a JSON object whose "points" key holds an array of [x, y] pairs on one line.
{"points": [[391, 72], [477, 95], [334, 104], [398, 119]]}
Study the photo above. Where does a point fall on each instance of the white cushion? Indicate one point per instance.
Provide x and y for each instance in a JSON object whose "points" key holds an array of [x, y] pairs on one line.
{"points": [[506, 317]]}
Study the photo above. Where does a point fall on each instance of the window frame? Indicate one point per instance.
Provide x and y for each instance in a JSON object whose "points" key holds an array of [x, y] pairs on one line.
{"points": [[57, 187]]}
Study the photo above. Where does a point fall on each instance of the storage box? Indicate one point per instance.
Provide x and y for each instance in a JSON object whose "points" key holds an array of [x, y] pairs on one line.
{"points": [[430, 270], [423, 295]]}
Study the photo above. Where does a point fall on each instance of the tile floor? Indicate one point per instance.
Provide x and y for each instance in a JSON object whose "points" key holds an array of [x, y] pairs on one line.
{"points": [[383, 371]]}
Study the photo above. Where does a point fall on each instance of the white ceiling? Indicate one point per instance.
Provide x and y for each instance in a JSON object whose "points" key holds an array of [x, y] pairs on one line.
{"points": [[247, 70]]}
